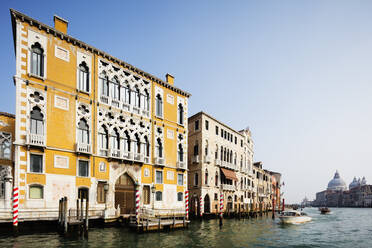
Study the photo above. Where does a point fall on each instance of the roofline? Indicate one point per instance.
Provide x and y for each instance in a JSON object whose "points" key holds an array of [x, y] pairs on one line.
{"points": [[7, 114], [221, 123], [16, 14]]}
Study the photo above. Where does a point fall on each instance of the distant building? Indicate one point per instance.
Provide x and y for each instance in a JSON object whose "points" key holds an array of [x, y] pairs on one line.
{"points": [[337, 195]]}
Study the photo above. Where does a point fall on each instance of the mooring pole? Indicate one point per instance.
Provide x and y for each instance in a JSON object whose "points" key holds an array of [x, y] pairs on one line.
{"points": [[273, 209], [221, 209]]}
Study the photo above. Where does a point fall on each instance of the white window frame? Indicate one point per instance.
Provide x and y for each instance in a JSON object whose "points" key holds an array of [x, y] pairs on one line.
{"points": [[28, 192], [34, 37], [162, 177], [180, 174], [29, 162], [77, 168]]}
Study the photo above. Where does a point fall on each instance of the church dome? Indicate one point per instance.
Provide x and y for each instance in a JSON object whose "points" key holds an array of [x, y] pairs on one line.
{"points": [[354, 183], [336, 183], [364, 181]]}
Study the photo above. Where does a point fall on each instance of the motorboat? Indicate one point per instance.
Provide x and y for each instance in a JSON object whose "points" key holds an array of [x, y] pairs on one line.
{"points": [[293, 217], [324, 210]]}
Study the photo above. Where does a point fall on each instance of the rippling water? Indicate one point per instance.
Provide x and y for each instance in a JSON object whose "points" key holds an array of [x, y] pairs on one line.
{"points": [[343, 228]]}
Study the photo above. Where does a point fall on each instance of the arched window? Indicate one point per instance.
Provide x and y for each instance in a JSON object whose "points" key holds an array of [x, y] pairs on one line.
{"points": [[103, 140], [115, 139], [196, 179], [37, 60], [83, 77], [206, 148], [83, 131], [221, 153], [216, 179], [231, 157], [115, 88], [137, 144], [146, 102], [137, 98], [235, 159], [224, 155], [206, 177], [159, 148], [126, 142], [159, 106], [180, 153], [104, 84], [147, 147], [180, 114], [125, 93], [37, 121], [228, 156]]}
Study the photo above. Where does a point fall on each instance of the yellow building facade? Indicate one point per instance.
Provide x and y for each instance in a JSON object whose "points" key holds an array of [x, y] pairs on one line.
{"points": [[89, 125]]}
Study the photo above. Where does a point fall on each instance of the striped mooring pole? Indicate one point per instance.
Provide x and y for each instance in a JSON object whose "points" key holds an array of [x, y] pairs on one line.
{"points": [[221, 208], [201, 206], [15, 207], [137, 205], [187, 204]]}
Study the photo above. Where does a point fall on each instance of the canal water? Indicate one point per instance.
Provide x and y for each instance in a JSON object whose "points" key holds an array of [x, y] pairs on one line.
{"points": [[344, 227]]}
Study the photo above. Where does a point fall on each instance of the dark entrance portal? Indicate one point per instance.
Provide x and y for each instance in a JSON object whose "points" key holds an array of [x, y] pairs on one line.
{"points": [[125, 194]]}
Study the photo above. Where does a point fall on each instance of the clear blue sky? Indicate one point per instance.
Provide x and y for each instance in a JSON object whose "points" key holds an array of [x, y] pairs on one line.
{"points": [[298, 73]]}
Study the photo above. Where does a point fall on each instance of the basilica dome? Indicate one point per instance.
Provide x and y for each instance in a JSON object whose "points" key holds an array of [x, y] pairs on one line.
{"points": [[354, 183], [336, 183]]}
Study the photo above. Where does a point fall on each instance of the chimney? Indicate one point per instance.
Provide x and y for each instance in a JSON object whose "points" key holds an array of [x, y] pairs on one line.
{"points": [[170, 79], [60, 24]]}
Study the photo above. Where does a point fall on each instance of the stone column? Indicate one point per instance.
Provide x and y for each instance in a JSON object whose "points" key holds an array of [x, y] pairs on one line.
{"points": [[8, 179]]}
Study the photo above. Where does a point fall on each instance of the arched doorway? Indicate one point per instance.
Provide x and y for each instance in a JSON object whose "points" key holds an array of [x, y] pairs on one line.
{"points": [[125, 194], [207, 204]]}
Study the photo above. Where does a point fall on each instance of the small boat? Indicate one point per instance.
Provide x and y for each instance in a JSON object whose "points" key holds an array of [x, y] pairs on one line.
{"points": [[324, 210], [294, 217]]}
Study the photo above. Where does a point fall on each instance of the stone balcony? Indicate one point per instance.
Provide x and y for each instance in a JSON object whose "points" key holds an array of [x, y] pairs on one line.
{"points": [[181, 165], [35, 139], [218, 162], [83, 148], [228, 165], [195, 159], [228, 187], [207, 159], [159, 161], [123, 105]]}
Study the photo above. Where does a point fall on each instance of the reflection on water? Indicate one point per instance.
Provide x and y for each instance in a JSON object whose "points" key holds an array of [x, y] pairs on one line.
{"points": [[342, 228]]}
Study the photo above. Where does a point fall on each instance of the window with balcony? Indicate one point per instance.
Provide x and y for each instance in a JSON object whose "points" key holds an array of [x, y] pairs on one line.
{"points": [[37, 60], [37, 121], [159, 177], [159, 106], [196, 179], [146, 101], [196, 149], [36, 163], [104, 84], [83, 132], [83, 168], [36, 192], [125, 93], [159, 148], [137, 144], [179, 196], [180, 114], [84, 77], [180, 179], [5, 145], [159, 196], [103, 140], [115, 139], [115, 89], [180, 153], [137, 98], [127, 142]]}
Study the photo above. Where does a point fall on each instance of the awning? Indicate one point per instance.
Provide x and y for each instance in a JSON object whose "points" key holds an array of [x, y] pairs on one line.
{"points": [[229, 174]]}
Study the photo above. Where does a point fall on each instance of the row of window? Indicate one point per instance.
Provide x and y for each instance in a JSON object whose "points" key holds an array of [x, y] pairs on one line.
{"points": [[159, 178]]}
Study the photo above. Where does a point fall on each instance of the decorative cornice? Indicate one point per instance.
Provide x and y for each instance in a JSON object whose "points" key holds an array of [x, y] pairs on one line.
{"points": [[24, 18]]}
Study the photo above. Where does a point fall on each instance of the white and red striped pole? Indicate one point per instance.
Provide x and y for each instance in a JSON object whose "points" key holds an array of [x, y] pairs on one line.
{"points": [[15, 206], [137, 204], [187, 204], [201, 206]]}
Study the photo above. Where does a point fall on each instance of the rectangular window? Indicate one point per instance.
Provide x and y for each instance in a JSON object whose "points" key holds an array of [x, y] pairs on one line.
{"points": [[159, 177], [101, 196], [221, 133], [159, 196], [196, 125], [241, 143], [180, 196], [180, 179], [196, 149], [83, 170], [36, 192], [36, 163], [146, 194], [236, 140], [216, 130], [206, 125]]}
